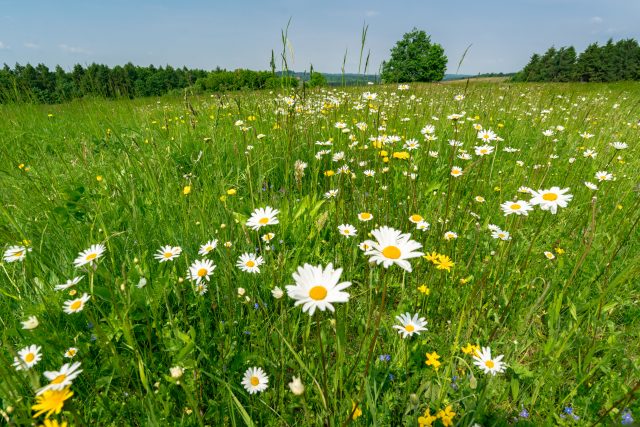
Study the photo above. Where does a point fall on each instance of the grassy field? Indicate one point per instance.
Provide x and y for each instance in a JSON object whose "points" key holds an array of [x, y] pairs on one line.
{"points": [[499, 256]]}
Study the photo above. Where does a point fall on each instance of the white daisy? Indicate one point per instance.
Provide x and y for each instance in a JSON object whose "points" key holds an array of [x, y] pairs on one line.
{"points": [[347, 230], [318, 287], [450, 235], [604, 176], [489, 365], [30, 323], [410, 325], [365, 216], [483, 150], [71, 352], [590, 185], [208, 247], [69, 283], [250, 263], [89, 256], [423, 226], [501, 234], [168, 253], [62, 378], [15, 253], [456, 172], [487, 135], [392, 247], [27, 357], [416, 218], [550, 200], [200, 270], [255, 380], [75, 305], [519, 207], [619, 145], [262, 217]]}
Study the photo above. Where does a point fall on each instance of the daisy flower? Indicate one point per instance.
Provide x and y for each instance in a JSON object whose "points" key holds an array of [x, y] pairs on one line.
{"points": [[519, 207], [410, 325], [365, 216], [71, 352], [392, 247], [262, 217], [590, 185], [483, 150], [550, 200], [208, 247], [30, 323], [62, 378], [604, 176], [450, 235], [201, 270], [75, 305], [416, 219], [69, 283], [250, 263], [501, 234], [456, 171], [15, 253], [423, 226], [489, 365], [89, 256], [487, 135], [331, 193], [347, 230], [549, 255], [317, 288], [168, 253], [27, 357], [255, 380], [619, 145], [268, 237]]}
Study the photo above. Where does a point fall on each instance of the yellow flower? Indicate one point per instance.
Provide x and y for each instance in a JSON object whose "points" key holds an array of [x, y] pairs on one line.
{"points": [[329, 173], [357, 413], [186, 190], [231, 192], [559, 250], [383, 153], [21, 166], [99, 178], [446, 416], [432, 360], [385, 159], [51, 401], [402, 155], [443, 263], [53, 423], [426, 420], [424, 289], [470, 349], [433, 257]]}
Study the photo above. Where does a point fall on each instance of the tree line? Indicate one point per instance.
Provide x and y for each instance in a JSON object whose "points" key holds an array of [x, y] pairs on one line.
{"points": [[607, 63], [39, 84]]}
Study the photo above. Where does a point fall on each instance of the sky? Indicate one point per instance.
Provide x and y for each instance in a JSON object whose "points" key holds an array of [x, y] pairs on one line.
{"points": [[241, 34]]}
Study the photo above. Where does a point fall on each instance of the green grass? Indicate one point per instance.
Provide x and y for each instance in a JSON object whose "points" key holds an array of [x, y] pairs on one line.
{"points": [[568, 328]]}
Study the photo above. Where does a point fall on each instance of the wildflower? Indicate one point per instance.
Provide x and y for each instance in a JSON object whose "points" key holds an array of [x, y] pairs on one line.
{"points": [[410, 325], [262, 217], [423, 226], [356, 412], [426, 420], [250, 263], [401, 155], [569, 411], [487, 135], [255, 380], [318, 287], [71, 352], [365, 216], [591, 185], [519, 207], [51, 402], [75, 305], [30, 323], [89, 256], [69, 283], [456, 171], [268, 237], [604, 176], [432, 360], [296, 386], [446, 416], [186, 190], [331, 193], [550, 200], [483, 150], [392, 247], [62, 378], [176, 372], [53, 423], [416, 219], [619, 145], [347, 230], [15, 253], [27, 358], [627, 418], [549, 255], [443, 262], [501, 234], [168, 253], [208, 247], [450, 235], [277, 292], [471, 349], [384, 357], [424, 289], [200, 270], [489, 365]]}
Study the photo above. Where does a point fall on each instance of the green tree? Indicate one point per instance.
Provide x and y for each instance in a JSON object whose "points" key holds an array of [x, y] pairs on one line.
{"points": [[415, 59]]}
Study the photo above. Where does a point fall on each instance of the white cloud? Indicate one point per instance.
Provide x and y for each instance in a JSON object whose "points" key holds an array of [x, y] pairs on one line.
{"points": [[30, 45], [74, 49], [596, 20], [370, 13], [3, 46]]}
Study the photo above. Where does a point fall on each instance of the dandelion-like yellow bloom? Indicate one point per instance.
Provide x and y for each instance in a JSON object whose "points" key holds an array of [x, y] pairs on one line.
{"points": [[51, 401], [53, 423], [443, 263], [470, 349], [357, 412], [426, 420], [446, 416], [432, 360], [186, 190]]}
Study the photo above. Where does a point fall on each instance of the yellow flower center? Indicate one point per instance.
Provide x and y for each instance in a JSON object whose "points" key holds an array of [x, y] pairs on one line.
{"points": [[250, 263], [409, 328], [29, 357], [91, 257], [255, 381], [515, 206], [483, 151], [416, 218], [60, 378], [168, 254], [264, 220], [76, 305], [18, 254], [391, 252], [202, 272], [550, 197], [318, 293], [365, 215], [208, 248], [490, 364]]}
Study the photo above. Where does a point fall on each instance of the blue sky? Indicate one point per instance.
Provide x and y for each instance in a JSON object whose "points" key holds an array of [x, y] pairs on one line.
{"points": [[240, 34]]}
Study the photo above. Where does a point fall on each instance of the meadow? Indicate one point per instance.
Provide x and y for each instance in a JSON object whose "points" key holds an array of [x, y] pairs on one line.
{"points": [[459, 254]]}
